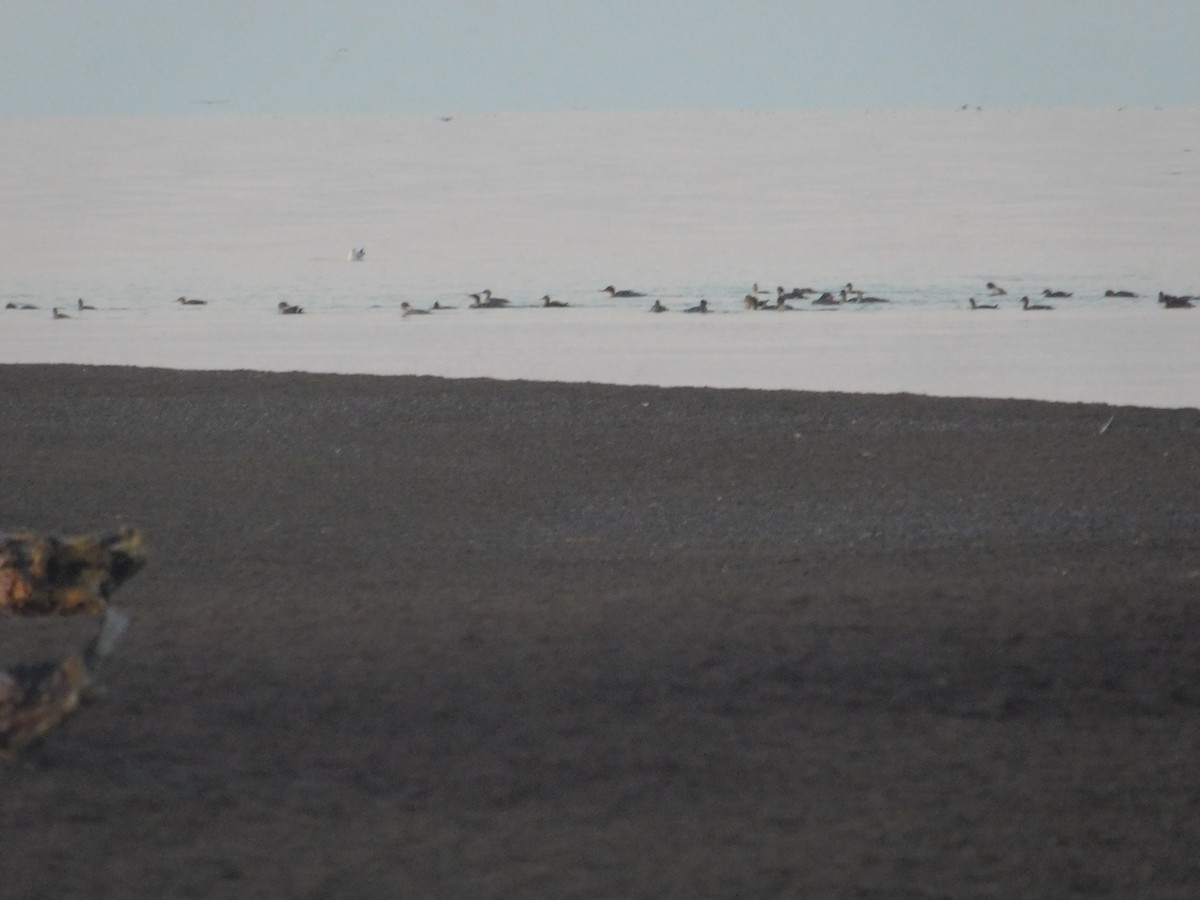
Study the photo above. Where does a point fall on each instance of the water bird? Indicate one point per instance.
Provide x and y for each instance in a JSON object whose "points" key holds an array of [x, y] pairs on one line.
{"points": [[658, 307], [1170, 301], [701, 307], [1025, 304], [975, 305], [190, 301], [994, 290], [752, 302], [356, 254], [553, 304], [437, 305], [58, 314], [860, 297], [1049, 293], [410, 310], [827, 299], [82, 306], [613, 292], [755, 289], [485, 300], [11, 305], [794, 294], [850, 289], [486, 294], [1112, 293], [288, 309]]}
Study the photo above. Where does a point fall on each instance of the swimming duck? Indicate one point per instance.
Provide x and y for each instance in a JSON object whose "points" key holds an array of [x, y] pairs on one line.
{"points": [[410, 310], [755, 289], [484, 300], [658, 307], [994, 290], [486, 293], [849, 289], [860, 297], [287, 309], [1111, 293], [1025, 304], [1049, 293], [553, 304], [752, 302], [11, 305], [827, 299], [1170, 301], [190, 301], [82, 306], [356, 254], [58, 314], [975, 305], [613, 292], [701, 307], [794, 294]]}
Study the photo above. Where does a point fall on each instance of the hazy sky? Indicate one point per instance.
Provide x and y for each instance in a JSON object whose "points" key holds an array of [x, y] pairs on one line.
{"points": [[73, 57]]}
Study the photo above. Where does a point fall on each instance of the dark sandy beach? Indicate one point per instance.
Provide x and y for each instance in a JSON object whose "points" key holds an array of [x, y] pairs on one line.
{"points": [[409, 637]]}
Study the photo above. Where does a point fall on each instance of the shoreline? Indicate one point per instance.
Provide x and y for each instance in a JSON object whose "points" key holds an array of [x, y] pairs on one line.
{"points": [[1125, 357]]}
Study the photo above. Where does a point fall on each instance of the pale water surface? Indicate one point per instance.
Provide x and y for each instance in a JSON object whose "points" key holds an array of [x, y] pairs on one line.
{"points": [[919, 207]]}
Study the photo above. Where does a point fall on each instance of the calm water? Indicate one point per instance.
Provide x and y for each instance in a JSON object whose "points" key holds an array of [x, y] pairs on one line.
{"points": [[920, 207]]}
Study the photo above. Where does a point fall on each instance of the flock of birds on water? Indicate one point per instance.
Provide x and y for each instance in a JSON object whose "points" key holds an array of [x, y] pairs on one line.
{"points": [[758, 299]]}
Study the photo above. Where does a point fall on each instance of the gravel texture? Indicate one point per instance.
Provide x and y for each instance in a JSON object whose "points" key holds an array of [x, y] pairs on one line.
{"points": [[418, 637]]}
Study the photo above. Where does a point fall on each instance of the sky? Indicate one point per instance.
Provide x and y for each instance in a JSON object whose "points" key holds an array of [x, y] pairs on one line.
{"points": [[147, 57]]}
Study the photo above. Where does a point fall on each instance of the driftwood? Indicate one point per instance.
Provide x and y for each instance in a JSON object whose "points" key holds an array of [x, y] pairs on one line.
{"points": [[51, 576], [35, 698], [42, 575]]}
